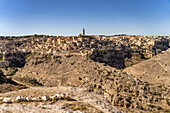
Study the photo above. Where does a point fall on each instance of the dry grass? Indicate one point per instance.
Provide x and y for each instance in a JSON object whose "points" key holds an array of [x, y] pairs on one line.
{"points": [[81, 99], [28, 81], [81, 106], [10, 87]]}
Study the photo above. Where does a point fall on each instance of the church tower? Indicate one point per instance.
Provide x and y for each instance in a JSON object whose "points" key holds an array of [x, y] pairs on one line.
{"points": [[83, 32]]}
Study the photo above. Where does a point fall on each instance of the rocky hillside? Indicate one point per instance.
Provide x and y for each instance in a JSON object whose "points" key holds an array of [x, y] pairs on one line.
{"points": [[7, 84], [127, 92], [155, 70], [92, 63]]}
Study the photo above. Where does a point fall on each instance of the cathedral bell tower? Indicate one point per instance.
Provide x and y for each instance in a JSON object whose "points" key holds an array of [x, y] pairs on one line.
{"points": [[83, 32]]}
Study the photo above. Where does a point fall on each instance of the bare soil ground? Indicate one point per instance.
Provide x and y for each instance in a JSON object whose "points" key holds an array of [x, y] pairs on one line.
{"points": [[155, 70], [84, 101], [73, 74]]}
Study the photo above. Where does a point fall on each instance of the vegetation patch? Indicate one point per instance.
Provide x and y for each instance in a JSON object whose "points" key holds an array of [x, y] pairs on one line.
{"points": [[158, 108], [28, 55], [83, 107], [2, 57], [167, 101], [28, 80], [13, 72]]}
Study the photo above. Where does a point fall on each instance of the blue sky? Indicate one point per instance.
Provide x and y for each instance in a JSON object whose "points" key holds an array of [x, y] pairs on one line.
{"points": [[68, 17]]}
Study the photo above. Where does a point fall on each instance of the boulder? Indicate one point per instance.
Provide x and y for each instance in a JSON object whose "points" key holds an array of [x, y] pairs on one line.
{"points": [[1, 98], [55, 97], [36, 99], [7, 100], [45, 98], [20, 98], [64, 95], [28, 98]]}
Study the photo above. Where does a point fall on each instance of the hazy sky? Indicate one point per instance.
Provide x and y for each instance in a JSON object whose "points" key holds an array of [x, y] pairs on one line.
{"points": [[68, 17]]}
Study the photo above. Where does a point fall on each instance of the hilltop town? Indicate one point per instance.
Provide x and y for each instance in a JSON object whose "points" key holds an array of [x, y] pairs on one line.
{"points": [[129, 48], [106, 66]]}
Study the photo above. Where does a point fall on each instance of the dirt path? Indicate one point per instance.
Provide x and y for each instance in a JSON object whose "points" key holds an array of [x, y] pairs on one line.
{"points": [[18, 82]]}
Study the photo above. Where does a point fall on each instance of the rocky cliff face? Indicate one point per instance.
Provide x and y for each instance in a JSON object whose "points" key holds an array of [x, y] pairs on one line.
{"points": [[15, 59], [114, 58]]}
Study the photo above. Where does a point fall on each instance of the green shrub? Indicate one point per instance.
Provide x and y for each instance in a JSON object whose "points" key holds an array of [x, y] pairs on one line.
{"points": [[167, 110], [144, 95], [160, 86], [137, 92], [51, 54], [28, 55], [158, 108], [152, 106], [140, 107], [108, 73], [13, 72], [1, 58], [167, 101], [80, 78]]}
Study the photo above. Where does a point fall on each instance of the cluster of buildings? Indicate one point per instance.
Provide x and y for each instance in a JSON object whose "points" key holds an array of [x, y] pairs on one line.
{"points": [[85, 45]]}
